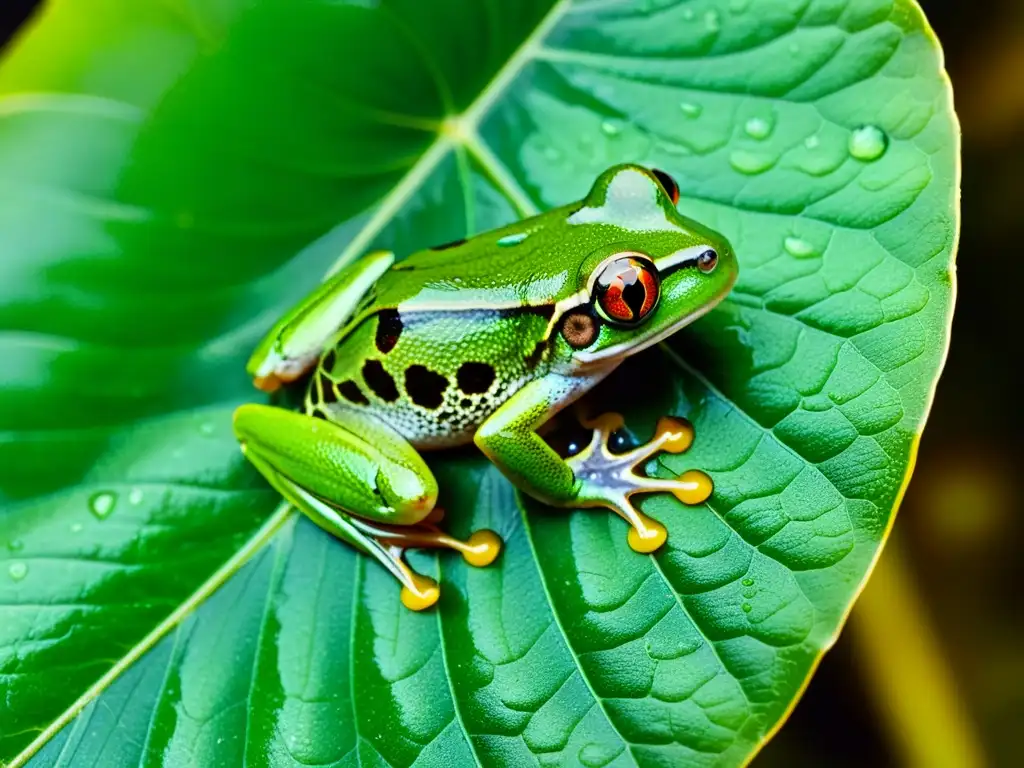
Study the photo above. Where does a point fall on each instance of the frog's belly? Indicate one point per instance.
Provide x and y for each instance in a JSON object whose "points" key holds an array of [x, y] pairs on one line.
{"points": [[452, 423]]}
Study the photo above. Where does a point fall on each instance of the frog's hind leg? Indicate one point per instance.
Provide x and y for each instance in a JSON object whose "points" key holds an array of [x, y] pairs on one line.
{"points": [[361, 481], [612, 478]]}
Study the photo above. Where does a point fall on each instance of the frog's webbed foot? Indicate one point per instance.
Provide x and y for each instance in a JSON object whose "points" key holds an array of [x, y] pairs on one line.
{"points": [[387, 543], [610, 479]]}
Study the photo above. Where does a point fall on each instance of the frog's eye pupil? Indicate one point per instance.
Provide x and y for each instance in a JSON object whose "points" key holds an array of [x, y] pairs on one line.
{"points": [[707, 261], [627, 290], [671, 188]]}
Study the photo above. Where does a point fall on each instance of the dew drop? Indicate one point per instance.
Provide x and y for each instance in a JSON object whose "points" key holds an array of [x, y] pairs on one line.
{"points": [[690, 109], [749, 593], [747, 607], [15, 545], [596, 755], [510, 240], [688, 14], [206, 428], [750, 163], [794, 48], [76, 527], [801, 249], [712, 22], [748, 582], [611, 128], [135, 496], [17, 571], [812, 142], [758, 128], [102, 504], [868, 143]]}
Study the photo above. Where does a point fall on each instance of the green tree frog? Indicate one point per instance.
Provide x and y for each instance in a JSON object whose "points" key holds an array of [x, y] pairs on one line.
{"points": [[483, 341]]}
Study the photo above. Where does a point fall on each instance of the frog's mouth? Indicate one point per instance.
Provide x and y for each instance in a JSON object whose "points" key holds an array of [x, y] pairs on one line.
{"points": [[639, 345]]}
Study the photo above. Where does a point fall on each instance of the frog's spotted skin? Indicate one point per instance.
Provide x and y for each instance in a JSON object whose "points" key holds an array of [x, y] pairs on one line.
{"points": [[482, 340], [441, 402]]}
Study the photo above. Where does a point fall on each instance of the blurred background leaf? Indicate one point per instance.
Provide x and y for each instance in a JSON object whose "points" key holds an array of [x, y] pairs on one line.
{"points": [[174, 202]]}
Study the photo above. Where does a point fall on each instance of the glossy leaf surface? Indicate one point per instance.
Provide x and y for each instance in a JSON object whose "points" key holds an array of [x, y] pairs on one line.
{"points": [[174, 174]]}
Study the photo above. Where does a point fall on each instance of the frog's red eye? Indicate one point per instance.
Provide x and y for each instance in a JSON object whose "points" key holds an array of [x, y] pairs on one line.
{"points": [[671, 188], [627, 289]]}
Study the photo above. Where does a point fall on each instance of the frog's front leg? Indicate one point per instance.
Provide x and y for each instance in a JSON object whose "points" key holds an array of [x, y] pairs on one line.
{"points": [[594, 477], [361, 481], [295, 342]]}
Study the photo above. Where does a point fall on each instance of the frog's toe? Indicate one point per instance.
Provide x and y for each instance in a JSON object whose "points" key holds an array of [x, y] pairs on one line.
{"points": [[692, 487], [422, 594], [672, 435], [648, 536], [481, 548]]}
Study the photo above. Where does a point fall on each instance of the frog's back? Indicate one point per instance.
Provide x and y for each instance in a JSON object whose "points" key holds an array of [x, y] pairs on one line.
{"points": [[521, 264]]}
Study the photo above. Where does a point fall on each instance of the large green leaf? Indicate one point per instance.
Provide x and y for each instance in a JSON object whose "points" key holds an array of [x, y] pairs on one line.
{"points": [[173, 173]]}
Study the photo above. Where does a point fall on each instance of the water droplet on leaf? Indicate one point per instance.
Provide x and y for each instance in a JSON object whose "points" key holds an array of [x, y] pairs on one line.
{"points": [[15, 545], [750, 163], [748, 582], [135, 496], [758, 128], [747, 607], [611, 128], [17, 571], [801, 249], [812, 142], [711, 21], [690, 109], [868, 143], [102, 504], [596, 755]]}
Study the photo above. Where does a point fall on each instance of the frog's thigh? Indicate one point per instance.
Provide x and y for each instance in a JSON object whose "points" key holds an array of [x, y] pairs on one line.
{"points": [[360, 465]]}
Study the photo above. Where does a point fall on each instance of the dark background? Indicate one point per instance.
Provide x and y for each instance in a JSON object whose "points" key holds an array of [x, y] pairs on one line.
{"points": [[959, 533]]}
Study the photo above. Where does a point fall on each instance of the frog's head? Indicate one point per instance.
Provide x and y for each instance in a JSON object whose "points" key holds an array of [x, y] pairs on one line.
{"points": [[650, 270]]}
